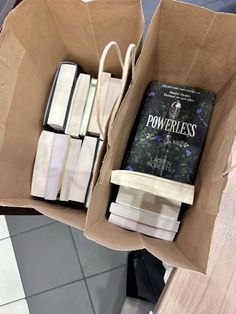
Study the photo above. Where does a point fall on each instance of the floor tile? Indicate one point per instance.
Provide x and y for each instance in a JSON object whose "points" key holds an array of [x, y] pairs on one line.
{"points": [[146, 26], [214, 6], [46, 258], [108, 291], [70, 299], [18, 307], [96, 258], [4, 233], [149, 7], [11, 288], [196, 2], [5, 7], [2, 4], [226, 2], [18, 224]]}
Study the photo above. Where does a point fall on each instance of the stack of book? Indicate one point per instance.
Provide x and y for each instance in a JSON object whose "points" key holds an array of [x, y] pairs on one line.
{"points": [[63, 167], [146, 213], [78, 112], [162, 158], [75, 105]]}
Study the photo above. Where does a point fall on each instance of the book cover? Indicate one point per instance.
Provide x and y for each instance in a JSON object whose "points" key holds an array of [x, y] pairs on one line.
{"points": [[170, 131]]}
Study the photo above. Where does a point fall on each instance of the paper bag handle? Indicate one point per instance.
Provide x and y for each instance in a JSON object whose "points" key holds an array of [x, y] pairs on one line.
{"points": [[130, 57], [228, 170], [112, 44]]}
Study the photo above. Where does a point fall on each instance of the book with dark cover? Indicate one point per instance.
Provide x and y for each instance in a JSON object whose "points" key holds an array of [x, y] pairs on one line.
{"points": [[53, 88], [170, 131]]}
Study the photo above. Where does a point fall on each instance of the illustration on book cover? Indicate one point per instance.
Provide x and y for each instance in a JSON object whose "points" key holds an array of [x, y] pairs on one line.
{"points": [[170, 131]]}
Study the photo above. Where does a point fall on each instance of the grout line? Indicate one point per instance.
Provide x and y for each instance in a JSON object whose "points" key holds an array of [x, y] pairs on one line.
{"points": [[2, 305], [17, 265], [55, 288], [86, 284], [17, 262], [29, 296], [106, 271], [36, 228], [5, 234], [5, 238], [209, 2]]}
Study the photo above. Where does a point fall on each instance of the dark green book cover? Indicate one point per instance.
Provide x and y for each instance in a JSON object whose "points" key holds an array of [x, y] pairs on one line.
{"points": [[170, 131]]}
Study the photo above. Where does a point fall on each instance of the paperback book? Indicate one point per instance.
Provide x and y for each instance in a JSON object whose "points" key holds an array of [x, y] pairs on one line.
{"points": [[70, 167], [148, 202], [170, 131], [78, 104], [142, 228], [144, 216], [83, 170], [60, 96]]}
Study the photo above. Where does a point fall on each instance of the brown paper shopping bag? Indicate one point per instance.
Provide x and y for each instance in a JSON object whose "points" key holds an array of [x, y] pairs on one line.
{"points": [[192, 46], [36, 37]]}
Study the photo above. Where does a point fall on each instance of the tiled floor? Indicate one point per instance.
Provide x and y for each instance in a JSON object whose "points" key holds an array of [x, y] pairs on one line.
{"points": [[62, 271], [59, 270]]}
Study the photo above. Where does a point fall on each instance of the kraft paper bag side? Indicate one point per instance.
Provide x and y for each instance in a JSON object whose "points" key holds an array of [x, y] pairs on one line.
{"points": [[9, 67], [50, 32], [39, 35], [70, 216], [205, 70], [198, 55], [97, 227], [92, 20], [180, 48], [198, 223], [123, 121], [24, 123]]}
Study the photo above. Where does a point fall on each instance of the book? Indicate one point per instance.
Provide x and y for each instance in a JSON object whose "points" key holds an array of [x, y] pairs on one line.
{"points": [[78, 102], [149, 202], [59, 100], [88, 107], [56, 166], [84, 170], [100, 100], [170, 131], [162, 187], [92, 182], [41, 164], [144, 216], [71, 162], [142, 228], [114, 90]]}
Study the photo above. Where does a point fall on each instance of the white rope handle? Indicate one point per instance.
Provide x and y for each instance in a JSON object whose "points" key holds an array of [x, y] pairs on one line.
{"points": [[112, 44], [226, 172], [129, 60]]}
